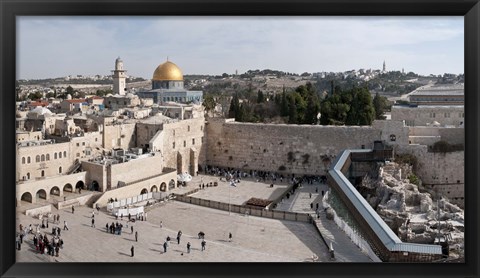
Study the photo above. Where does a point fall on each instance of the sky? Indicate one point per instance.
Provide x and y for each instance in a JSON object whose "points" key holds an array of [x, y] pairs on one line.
{"points": [[55, 46]]}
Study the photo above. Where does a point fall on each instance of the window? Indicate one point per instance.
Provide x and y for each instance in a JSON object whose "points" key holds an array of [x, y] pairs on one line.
{"points": [[83, 143], [184, 143], [43, 173], [174, 132], [55, 156], [173, 145], [188, 128], [60, 169], [28, 176], [28, 160], [78, 144], [432, 115], [48, 157], [202, 139], [201, 127], [42, 158], [78, 154], [60, 155], [447, 115], [193, 141], [37, 158], [64, 153], [96, 139], [23, 160]]}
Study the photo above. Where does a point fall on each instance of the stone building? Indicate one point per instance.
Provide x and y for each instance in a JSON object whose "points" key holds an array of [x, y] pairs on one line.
{"points": [[168, 86], [444, 94], [429, 115]]}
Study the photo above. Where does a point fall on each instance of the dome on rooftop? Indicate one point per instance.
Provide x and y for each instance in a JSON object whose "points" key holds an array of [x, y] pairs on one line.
{"points": [[168, 71]]}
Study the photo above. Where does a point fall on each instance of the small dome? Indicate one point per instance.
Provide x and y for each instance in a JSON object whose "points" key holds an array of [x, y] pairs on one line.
{"points": [[40, 110], [109, 95], [69, 96], [168, 71], [130, 95]]}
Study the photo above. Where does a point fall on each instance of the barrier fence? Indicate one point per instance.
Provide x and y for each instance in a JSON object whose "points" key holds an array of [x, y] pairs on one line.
{"points": [[274, 214], [136, 199]]}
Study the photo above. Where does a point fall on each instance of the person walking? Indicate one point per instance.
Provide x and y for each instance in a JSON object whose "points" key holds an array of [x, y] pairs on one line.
{"points": [[204, 243], [131, 228], [178, 240], [165, 245], [310, 194], [230, 236], [136, 235], [65, 227], [161, 224], [106, 227], [132, 250], [93, 222], [188, 247], [73, 209]]}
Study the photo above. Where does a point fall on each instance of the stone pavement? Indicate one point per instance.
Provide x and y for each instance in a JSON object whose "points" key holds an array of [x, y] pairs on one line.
{"points": [[345, 249], [255, 239]]}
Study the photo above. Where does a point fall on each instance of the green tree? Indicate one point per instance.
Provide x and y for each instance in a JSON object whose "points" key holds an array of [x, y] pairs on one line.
{"points": [[292, 114], [209, 103], [234, 107], [69, 90], [260, 97], [380, 105]]}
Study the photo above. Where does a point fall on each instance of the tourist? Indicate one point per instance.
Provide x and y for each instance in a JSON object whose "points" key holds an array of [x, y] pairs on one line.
{"points": [[165, 245], [310, 194], [35, 242], [73, 210], [136, 236], [204, 243], [93, 214], [131, 228], [230, 236], [132, 250], [106, 227], [93, 222], [178, 240], [56, 251], [188, 247], [65, 227], [161, 224]]}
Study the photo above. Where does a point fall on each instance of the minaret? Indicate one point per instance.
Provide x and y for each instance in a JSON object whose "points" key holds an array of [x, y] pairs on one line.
{"points": [[119, 77], [384, 66]]}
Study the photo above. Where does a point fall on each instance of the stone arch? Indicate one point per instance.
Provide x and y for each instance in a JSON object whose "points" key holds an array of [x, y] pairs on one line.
{"points": [[163, 187], [41, 194], [144, 191], [171, 184], [80, 184], [64, 154], [37, 158], [28, 160], [42, 158], [23, 160], [55, 191], [47, 157], [27, 197], [68, 187], [154, 189], [95, 186]]}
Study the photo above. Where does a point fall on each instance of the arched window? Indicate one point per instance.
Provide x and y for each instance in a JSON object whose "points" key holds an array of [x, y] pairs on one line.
{"points": [[55, 156], [43, 157], [37, 158], [28, 176], [43, 173], [28, 160], [60, 169], [64, 153], [23, 160], [60, 155], [48, 157]]}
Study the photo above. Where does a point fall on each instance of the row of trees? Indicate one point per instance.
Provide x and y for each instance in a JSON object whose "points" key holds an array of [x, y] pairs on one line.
{"points": [[304, 106]]}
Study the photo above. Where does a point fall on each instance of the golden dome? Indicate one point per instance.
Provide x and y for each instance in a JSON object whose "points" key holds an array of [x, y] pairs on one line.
{"points": [[168, 71]]}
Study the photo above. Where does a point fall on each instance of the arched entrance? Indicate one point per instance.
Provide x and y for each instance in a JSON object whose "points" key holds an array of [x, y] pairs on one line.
{"points": [[79, 185], [68, 188], [95, 186], [55, 191], [41, 194], [144, 191], [171, 184], [27, 197], [163, 187], [154, 189]]}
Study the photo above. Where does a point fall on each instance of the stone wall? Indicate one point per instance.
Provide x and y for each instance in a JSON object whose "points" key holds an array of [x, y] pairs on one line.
{"points": [[119, 136], [50, 167], [299, 149], [443, 171], [423, 115], [136, 169], [47, 184], [184, 145], [136, 189]]}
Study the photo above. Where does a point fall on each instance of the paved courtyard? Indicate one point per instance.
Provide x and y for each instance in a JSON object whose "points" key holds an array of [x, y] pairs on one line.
{"points": [[255, 239]]}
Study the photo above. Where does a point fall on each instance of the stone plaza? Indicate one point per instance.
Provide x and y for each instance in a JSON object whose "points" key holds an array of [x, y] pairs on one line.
{"points": [[255, 239]]}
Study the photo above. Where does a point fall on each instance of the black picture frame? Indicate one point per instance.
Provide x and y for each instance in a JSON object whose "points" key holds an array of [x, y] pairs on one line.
{"points": [[9, 9]]}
